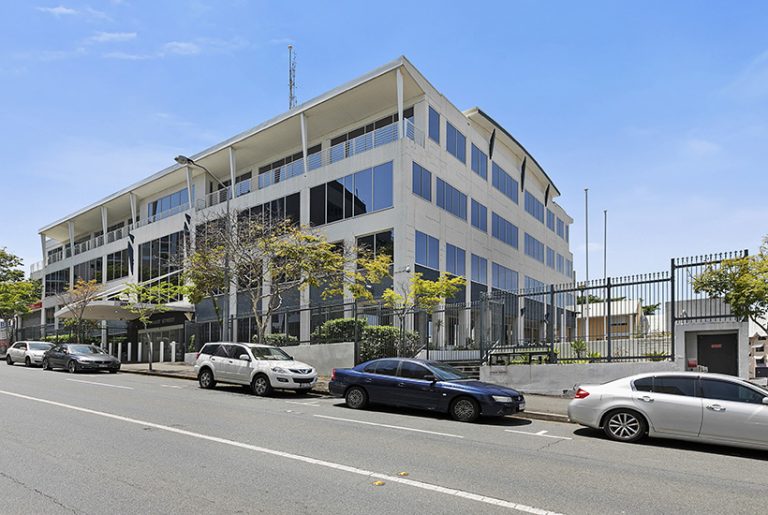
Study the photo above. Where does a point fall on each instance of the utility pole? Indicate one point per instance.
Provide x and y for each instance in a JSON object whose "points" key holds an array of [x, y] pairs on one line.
{"points": [[291, 77]]}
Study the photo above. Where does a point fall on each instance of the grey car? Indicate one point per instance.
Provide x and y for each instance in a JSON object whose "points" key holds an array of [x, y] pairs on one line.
{"points": [[693, 406], [77, 357]]}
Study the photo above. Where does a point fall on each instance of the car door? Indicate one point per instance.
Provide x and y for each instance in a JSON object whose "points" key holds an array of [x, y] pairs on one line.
{"points": [[416, 386], [240, 369], [382, 384], [222, 363], [56, 356], [733, 413], [671, 404], [17, 351]]}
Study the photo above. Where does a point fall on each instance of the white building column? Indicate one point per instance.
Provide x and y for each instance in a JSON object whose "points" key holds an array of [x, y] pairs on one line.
{"points": [[232, 168], [71, 231], [401, 123], [133, 200], [302, 118], [189, 187]]}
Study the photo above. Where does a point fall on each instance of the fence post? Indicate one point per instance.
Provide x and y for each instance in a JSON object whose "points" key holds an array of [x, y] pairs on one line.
{"points": [[356, 344], [550, 318], [482, 330], [608, 320], [673, 307]]}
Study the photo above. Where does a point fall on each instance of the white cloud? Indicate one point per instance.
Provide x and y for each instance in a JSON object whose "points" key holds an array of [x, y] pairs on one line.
{"points": [[127, 56], [57, 11], [700, 148], [87, 12], [112, 37], [181, 48], [282, 41]]}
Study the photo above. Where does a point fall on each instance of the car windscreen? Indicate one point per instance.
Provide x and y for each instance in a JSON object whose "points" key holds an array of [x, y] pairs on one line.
{"points": [[446, 372], [40, 346], [270, 353], [85, 349]]}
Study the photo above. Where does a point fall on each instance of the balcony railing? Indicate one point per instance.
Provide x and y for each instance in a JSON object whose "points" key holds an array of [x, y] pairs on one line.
{"points": [[36, 267], [212, 199], [118, 234], [163, 214]]}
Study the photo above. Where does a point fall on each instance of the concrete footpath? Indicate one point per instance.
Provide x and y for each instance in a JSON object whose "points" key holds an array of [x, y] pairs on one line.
{"points": [[540, 407]]}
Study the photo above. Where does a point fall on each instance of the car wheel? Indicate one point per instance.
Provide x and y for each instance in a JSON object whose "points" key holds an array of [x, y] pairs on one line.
{"points": [[356, 398], [260, 386], [624, 426], [72, 366], [205, 378], [46, 364], [27, 362], [8, 359], [465, 409]]}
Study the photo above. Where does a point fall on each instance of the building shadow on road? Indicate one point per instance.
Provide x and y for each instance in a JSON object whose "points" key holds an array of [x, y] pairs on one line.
{"points": [[662, 443]]}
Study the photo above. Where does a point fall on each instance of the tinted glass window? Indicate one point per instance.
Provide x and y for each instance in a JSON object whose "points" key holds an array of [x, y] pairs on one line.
{"points": [[222, 351], [414, 371], [317, 205], [370, 369], [210, 349], [363, 191], [387, 367], [434, 125], [727, 391], [675, 385], [382, 186], [335, 199], [644, 384], [235, 351]]}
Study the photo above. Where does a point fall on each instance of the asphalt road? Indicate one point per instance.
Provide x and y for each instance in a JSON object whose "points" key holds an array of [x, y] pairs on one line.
{"points": [[100, 443]]}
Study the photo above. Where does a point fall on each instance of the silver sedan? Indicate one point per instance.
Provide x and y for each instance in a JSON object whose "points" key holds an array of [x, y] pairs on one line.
{"points": [[692, 406], [29, 353]]}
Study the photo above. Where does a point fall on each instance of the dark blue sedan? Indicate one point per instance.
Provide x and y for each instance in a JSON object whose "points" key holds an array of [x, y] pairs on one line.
{"points": [[416, 383]]}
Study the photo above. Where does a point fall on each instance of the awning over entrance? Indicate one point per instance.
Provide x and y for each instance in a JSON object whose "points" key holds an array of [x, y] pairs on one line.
{"points": [[116, 310]]}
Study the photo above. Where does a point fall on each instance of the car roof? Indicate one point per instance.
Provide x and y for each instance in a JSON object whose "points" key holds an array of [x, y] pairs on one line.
{"points": [[239, 343], [685, 373]]}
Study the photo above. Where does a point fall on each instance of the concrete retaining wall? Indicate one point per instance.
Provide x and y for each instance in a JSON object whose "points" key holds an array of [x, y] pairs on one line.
{"points": [[325, 357], [559, 379]]}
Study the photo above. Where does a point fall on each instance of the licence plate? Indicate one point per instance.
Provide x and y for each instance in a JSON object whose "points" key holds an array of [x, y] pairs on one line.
{"points": [[304, 385], [521, 406]]}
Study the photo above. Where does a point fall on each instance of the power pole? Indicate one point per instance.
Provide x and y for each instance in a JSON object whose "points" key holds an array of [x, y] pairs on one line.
{"points": [[291, 77]]}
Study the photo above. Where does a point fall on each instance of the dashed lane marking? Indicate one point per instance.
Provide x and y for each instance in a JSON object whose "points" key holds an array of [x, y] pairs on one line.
{"points": [[100, 384], [389, 426]]}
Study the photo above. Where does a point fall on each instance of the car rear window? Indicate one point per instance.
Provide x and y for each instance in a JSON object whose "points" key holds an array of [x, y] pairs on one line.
{"points": [[644, 384]]}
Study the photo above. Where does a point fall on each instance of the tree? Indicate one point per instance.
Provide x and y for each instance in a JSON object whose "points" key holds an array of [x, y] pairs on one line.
{"points": [[145, 301], [204, 276], [742, 283], [16, 294], [421, 294], [76, 300]]}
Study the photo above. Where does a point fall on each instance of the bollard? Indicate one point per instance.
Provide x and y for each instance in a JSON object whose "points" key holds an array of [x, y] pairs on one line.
{"points": [[162, 351], [120, 351], [129, 351], [139, 345], [173, 352], [110, 349]]}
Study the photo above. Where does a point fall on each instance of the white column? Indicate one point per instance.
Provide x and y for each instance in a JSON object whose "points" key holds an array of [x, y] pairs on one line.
{"points": [[400, 102], [232, 167], [189, 187], [173, 351], [129, 351], [104, 222], [162, 351], [71, 230], [132, 198], [138, 348], [44, 248], [302, 118], [120, 350]]}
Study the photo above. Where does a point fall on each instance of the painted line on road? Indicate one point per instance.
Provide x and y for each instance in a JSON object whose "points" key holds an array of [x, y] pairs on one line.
{"points": [[100, 384], [389, 426], [303, 403], [540, 433], [296, 457], [170, 386]]}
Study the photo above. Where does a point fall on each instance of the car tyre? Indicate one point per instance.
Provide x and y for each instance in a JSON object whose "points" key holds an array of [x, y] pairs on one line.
{"points": [[261, 386], [623, 425], [46, 364], [72, 366], [465, 409], [8, 359], [206, 379], [356, 398], [27, 362]]}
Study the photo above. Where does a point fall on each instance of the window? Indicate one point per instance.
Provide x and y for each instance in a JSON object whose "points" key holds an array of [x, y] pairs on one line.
{"points": [[550, 258], [357, 194], [167, 205], [427, 251], [534, 248], [161, 256], [550, 220], [89, 271], [533, 284], [728, 391], [277, 210], [675, 385], [451, 199], [422, 182], [455, 260], [117, 265], [479, 162], [569, 268], [387, 367], [434, 126], [560, 264], [210, 348], [534, 207], [504, 230], [479, 216], [410, 370], [455, 142], [503, 182], [644, 384], [560, 228], [382, 243], [568, 233], [479, 270], [504, 278]]}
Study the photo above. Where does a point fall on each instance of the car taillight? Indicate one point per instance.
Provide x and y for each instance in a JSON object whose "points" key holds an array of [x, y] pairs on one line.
{"points": [[197, 356], [333, 374], [581, 393]]}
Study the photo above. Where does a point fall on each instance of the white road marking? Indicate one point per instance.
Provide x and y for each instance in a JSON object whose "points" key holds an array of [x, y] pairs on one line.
{"points": [[170, 386], [540, 433], [302, 403], [100, 384], [304, 459], [389, 426]]}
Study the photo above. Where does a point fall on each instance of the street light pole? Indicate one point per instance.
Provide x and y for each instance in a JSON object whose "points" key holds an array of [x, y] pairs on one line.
{"points": [[184, 160]]}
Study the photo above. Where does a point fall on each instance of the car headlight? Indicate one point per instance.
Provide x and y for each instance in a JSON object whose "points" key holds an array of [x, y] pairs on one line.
{"points": [[502, 398], [279, 370]]}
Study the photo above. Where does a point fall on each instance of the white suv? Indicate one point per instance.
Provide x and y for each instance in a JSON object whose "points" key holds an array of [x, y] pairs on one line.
{"points": [[262, 367]]}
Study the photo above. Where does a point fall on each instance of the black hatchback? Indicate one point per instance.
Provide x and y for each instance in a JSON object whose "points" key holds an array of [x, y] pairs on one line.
{"points": [[78, 356]]}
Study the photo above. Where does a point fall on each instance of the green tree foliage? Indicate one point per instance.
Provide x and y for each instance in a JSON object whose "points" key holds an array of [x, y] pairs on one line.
{"points": [[16, 294], [76, 300], [742, 283]]}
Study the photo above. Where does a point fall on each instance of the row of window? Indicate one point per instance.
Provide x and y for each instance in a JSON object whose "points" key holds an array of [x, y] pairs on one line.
{"points": [[504, 230], [455, 260], [534, 206], [156, 208], [504, 182], [275, 211], [451, 199], [89, 270], [117, 265], [356, 194], [161, 256], [534, 248], [56, 282], [479, 216]]}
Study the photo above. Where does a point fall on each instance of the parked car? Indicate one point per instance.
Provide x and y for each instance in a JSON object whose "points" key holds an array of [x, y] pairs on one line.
{"points": [[29, 353], [423, 384], [76, 357], [262, 367], [690, 406]]}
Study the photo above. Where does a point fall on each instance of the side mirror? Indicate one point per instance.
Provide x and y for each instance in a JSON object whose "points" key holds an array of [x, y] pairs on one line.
{"points": [[765, 400], [244, 357], [430, 377]]}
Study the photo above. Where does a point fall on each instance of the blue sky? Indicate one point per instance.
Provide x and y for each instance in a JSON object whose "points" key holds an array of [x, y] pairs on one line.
{"points": [[659, 108]]}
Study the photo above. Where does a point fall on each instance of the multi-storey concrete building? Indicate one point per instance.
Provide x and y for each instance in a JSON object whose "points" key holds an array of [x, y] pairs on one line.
{"points": [[384, 160]]}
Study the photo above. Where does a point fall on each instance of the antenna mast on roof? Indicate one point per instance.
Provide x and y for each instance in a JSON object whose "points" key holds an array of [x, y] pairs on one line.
{"points": [[291, 77]]}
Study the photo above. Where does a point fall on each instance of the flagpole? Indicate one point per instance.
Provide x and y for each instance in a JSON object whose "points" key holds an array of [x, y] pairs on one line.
{"points": [[586, 252], [606, 322]]}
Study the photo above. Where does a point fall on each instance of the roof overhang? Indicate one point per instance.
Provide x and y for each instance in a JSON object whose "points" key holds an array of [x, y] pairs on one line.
{"points": [[115, 310]]}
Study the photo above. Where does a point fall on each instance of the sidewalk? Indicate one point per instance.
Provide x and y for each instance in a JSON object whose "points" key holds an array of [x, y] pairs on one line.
{"points": [[541, 407]]}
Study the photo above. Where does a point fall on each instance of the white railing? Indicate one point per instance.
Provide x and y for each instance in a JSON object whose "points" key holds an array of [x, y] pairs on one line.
{"points": [[85, 246], [36, 267], [163, 214], [118, 234], [281, 174], [212, 199]]}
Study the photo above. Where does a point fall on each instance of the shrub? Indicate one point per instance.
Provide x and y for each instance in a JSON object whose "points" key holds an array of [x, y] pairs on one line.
{"points": [[579, 347], [277, 339], [339, 330], [382, 341], [656, 355]]}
